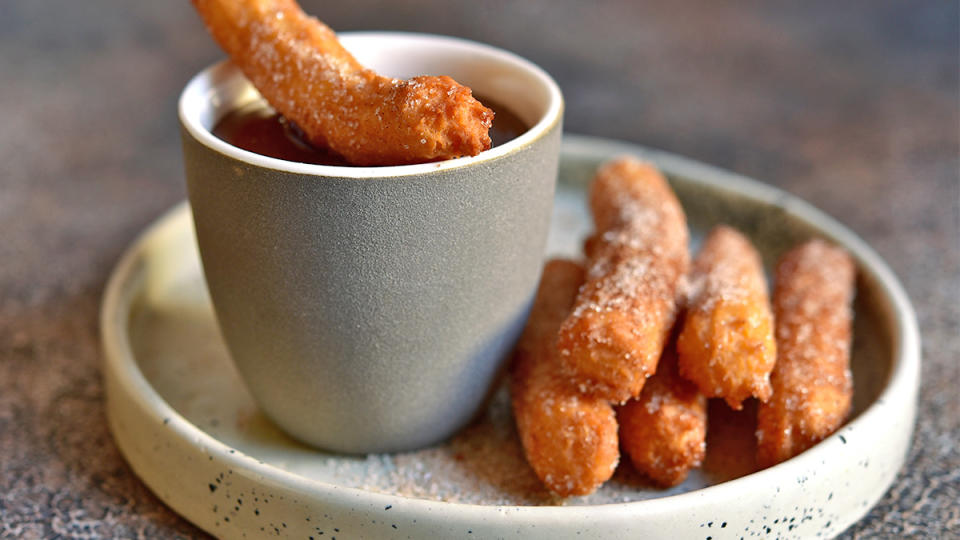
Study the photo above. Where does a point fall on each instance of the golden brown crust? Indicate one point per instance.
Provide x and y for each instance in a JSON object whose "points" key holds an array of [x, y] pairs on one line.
{"points": [[727, 347], [812, 384], [664, 430], [612, 340], [300, 68], [570, 440]]}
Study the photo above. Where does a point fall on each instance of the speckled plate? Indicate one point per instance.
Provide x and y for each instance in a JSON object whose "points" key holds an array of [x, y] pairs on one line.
{"points": [[191, 431]]}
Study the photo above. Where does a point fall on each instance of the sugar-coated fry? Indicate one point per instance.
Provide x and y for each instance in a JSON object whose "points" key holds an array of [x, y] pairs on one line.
{"points": [[612, 340], [727, 347], [812, 384], [569, 439], [664, 430], [300, 68]]}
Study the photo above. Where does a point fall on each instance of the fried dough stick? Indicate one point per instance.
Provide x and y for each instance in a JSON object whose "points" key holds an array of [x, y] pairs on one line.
{"points": [[664, 431], [300, 68], [812, 384], [726, 347], [612, 340], [570, 440]]}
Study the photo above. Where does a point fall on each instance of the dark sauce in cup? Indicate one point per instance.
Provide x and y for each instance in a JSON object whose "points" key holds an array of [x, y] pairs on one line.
{"points": [[258, 128]]}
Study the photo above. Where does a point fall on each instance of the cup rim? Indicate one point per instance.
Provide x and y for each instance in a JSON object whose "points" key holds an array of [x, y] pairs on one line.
{"points": [[201, 87]]}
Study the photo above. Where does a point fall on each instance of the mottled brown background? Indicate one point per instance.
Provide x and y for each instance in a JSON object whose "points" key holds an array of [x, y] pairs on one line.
{"points": [[851, 105]]}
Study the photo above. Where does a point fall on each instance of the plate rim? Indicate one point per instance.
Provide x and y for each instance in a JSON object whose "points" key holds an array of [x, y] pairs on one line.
{"points": [[903, 379]]}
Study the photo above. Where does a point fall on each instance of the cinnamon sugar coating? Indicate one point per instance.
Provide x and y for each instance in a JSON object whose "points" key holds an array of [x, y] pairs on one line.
{"points": [[569, 439], [664, 431], [812, 384], [616, 332], [727, 347], [300, 68]]}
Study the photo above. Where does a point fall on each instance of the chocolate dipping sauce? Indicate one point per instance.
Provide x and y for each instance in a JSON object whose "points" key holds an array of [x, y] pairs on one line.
{"points": [[258, 128]]}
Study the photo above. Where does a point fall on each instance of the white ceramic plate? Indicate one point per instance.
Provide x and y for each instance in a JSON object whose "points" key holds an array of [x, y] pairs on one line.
{"points": [[190, 430]]}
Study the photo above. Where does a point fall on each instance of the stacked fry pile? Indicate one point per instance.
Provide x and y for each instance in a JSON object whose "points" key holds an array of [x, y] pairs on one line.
{"points": [[624, 350]]}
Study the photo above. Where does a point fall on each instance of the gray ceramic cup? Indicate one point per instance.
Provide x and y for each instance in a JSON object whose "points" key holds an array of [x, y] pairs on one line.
{"points": [[369, 309]]}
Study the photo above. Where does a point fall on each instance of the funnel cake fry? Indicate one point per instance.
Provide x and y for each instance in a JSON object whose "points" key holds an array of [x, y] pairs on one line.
{"points": [[612, 340], [727, 347], [569, 439], [812, 384], [664, 431], [300, 68]]}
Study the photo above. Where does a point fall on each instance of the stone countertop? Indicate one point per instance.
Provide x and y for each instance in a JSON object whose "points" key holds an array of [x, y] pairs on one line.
{"points": [[852, 106]]}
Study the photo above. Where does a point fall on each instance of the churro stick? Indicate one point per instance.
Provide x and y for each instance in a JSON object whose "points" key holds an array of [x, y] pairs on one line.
{"points": [[300, 68], [726, 347], [570, 440], [612, 340], [812, 385], [664, 430]]}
